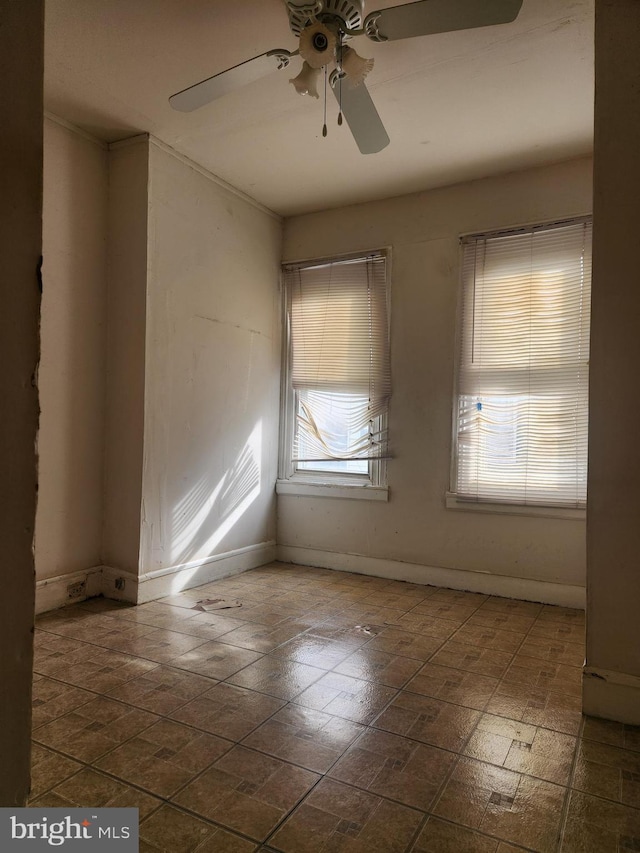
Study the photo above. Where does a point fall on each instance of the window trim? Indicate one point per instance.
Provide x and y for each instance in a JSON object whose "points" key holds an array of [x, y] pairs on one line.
{"points": [[465, 503], [314, 489], [371, 486]]}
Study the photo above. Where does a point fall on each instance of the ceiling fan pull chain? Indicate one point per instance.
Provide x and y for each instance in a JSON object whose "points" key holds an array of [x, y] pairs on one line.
{"points": [[340, 81], [324, 127]]}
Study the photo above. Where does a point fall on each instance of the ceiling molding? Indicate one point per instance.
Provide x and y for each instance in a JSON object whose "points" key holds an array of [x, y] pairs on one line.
{"points": [[52, 117], [128, 141], [162, 146]]}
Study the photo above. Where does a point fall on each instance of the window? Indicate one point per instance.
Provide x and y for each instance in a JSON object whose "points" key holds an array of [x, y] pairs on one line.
{"points": [[523, 362], [337, 375]]}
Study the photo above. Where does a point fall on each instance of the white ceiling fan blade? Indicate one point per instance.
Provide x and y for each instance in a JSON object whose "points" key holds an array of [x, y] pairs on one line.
{"points": [[427, 17], [362, 117], [228, 81]]}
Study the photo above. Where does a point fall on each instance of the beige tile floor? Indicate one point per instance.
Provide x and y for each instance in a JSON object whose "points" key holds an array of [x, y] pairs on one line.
{"points": [[332, 712]]}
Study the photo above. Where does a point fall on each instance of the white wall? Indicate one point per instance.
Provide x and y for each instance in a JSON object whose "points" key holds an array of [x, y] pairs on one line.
{"points": [[125, 384], [212, 368], [72, 368], [160, 368], [414, 526]]}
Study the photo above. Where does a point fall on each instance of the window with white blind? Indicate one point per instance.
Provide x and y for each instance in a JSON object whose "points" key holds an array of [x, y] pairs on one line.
{"points": [[337, 374], [523, 367]]}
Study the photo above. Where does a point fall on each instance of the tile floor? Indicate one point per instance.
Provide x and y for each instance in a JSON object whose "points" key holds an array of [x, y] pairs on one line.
{"points": [[332, 712]]}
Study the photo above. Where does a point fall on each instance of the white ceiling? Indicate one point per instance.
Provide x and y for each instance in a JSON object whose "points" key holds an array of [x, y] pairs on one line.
{"points": [[457, 106]]}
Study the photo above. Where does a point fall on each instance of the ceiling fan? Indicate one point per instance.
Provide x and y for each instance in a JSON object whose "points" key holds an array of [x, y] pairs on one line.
{"points": [[324, 27]]}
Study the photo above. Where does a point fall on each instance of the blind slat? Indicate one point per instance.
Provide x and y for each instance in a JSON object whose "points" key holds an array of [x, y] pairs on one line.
{"points": [[523, 366]]}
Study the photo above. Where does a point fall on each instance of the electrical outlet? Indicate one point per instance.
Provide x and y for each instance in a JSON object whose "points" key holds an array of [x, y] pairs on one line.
{"points": [[77, 589]]}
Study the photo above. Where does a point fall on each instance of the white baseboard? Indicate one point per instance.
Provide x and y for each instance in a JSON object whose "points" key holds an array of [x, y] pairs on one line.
{"points": [[527, 589], [52, 593], [119, 585], [174, 579], [611, 695]]}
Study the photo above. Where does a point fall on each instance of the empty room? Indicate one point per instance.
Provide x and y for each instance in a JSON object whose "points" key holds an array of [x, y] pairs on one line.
{"points": [[319, 457]]}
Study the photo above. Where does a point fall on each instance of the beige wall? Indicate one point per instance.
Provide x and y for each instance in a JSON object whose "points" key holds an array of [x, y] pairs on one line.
{"points": [[160, 374], [613, 591], [21, 48], [414, 526], [212, 368], [72, 370], [125, 382]]}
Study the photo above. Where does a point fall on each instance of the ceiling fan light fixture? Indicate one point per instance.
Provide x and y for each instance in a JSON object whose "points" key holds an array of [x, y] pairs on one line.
{"points": [[322, 26], [318, 45], [306, 83], [354, 66]]}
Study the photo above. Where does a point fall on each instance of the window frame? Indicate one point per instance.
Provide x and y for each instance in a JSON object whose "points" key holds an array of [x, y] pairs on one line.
{"points": [[492, 505], [291, 480]]}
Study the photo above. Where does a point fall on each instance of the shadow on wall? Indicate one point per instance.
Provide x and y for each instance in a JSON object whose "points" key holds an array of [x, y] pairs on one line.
{"points": [[71, 373], [207, 513]]}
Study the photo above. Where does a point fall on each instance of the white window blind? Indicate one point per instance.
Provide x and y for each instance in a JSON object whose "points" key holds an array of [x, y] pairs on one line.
{"points": [[522, 404], [339, 359]]}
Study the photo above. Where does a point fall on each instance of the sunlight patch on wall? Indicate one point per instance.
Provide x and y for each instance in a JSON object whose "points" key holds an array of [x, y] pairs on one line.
{"points": [[205, 515]]}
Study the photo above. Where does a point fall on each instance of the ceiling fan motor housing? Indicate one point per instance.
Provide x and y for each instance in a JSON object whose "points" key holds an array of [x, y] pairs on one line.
{"points": [[320, 42], [302, 13]]}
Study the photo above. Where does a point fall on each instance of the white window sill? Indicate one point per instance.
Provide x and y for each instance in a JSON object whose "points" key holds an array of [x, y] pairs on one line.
{"points": [[350, 491], [453, 501]]}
